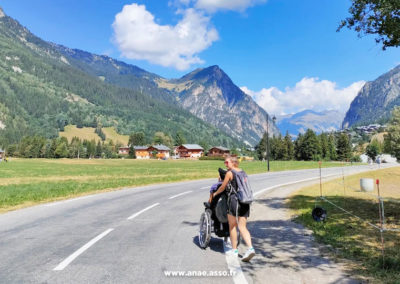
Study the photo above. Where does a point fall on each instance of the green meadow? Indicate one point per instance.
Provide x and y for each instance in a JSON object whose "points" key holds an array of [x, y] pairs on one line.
{"points": [[25, 182]]}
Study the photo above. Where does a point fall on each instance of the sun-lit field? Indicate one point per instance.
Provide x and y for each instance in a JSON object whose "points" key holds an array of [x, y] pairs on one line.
{"points": [[28, 181], [349, 237], [71, 131], [111, 134]]}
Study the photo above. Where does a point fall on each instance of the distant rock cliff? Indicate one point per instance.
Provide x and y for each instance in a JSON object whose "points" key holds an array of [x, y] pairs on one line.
{"points": [[375, 101]]}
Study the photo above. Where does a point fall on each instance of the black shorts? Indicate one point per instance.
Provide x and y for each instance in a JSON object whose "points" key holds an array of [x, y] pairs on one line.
{"points": [[243, 209]]}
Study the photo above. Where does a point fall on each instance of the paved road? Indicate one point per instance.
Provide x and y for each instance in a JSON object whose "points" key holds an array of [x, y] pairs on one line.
{"points": [[126, 236]]}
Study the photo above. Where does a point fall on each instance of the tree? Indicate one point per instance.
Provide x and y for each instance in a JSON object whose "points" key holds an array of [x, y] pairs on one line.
{"points": [[61, 150], [394, 133], [162, 138], [179, 139], [99, 150], [261, 147], [289, 147], [332, 147], [372, 151], [309, 147], [378, 17], [132, 152], [203, 143], [324, 146], [137, 139], [343, 147]]}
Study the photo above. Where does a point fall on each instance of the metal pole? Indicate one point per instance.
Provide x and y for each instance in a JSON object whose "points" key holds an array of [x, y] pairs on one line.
{"points": [[382, 220], [320, 179], [267, 143]]}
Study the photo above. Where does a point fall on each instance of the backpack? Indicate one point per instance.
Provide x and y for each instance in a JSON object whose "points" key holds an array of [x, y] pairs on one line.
{"points": [[221, 209], [243, 191]]}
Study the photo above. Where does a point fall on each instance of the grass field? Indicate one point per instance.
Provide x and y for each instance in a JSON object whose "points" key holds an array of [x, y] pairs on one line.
{"points": [[24, 182], [111, 134], [71, 131], [349, 237]]}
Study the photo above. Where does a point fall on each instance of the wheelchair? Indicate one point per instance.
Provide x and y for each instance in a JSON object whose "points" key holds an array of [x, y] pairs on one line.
{"points": [[209, 222]]}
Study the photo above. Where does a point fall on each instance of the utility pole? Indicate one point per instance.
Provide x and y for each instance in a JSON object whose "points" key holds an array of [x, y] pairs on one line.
{"points": [[273, 119]]}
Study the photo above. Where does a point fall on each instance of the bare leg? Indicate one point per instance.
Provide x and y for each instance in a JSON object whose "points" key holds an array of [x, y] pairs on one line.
{"points": [[232, 230], [245, 234]]}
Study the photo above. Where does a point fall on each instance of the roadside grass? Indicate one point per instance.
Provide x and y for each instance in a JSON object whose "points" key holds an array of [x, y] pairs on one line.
{"points": [[24, 182], [348, 237]]}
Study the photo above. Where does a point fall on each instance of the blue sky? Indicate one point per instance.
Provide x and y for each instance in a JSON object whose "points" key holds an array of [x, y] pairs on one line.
{"points": [[286, 54]]}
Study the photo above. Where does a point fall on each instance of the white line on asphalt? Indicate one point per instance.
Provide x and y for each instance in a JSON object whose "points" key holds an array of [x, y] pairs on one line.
{"points": [[289, 183], [70, 258], [205, 187], [183, 193], [234, 265], [66, 201], [140, 212]]}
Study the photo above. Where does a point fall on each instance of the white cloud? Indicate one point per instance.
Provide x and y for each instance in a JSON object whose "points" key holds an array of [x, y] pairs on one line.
{"points": [[309, 93], [138, 36], [233, 5]]}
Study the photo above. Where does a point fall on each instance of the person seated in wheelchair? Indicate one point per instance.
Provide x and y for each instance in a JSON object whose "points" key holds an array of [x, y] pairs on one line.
{"points": [[212, 202], [220, 221]]}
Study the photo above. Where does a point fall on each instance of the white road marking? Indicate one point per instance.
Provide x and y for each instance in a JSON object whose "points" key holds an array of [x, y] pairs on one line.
{"points": [[234, 265], [183, 193], [289, 183], [69, 259], [206, 187], [66, 201], [140, 212]]}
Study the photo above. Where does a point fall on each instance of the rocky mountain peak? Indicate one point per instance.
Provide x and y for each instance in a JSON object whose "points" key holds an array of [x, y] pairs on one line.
{"points": [[375, 101], [2, 14]]}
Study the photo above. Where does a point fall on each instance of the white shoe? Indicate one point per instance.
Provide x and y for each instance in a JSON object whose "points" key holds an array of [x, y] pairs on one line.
{"points": [[234, 252], [250, 253]]}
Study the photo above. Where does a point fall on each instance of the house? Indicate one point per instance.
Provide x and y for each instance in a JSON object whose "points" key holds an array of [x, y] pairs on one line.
{"points": [[218, 152], [159, 151], [189, 151], [2, 154], [123, 150], [142, 152]]}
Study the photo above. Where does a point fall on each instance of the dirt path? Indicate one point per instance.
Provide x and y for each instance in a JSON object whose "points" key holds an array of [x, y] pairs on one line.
{"points": [[286, 252]]}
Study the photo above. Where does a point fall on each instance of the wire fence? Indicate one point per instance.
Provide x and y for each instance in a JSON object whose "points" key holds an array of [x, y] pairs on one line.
{"points": [[381, 226]]}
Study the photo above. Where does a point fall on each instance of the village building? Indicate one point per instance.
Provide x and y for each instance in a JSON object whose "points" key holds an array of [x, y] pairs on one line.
{"points": [[218, 152], [142, 152], [123, 150], [159, 151], [189, 151]]}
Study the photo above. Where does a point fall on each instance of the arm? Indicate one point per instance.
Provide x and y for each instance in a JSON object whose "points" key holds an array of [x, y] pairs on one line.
{"points": [[228, 177]]}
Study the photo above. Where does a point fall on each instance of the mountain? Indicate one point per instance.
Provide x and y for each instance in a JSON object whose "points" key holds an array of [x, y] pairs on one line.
{"points": [[325, 121], [375, 101], [208, 93], [42, 90], [211, 95]]}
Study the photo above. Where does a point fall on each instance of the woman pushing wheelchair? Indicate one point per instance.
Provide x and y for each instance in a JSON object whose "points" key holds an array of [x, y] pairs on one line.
{"points": [[240, 196]]}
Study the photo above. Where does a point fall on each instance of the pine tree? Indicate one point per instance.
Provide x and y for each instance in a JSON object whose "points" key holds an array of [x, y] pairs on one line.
{"points": [[324, 146], [332, 147], [179, 139], [343, 148], [289, 147]]}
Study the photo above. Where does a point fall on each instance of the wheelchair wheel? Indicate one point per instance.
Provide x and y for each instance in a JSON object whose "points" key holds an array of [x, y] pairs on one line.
{"points": [[205, 229]]}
